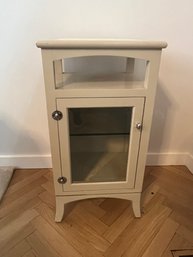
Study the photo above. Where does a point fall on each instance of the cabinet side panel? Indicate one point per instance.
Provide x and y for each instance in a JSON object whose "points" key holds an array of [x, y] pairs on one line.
{"points": [[152, 77], [53, 124]]}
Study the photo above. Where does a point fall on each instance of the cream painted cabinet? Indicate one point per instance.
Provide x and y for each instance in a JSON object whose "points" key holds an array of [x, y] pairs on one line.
{"points": [[100, 96]]}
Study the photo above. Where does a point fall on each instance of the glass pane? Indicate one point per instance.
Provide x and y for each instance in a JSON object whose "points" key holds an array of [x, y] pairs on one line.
{"points": [[99, 143]]}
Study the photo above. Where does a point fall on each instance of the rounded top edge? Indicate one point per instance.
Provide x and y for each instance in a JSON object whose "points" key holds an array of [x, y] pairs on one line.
{"points": [[100, 44]]}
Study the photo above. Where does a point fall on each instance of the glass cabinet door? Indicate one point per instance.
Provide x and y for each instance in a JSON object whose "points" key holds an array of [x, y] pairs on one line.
{"points": [[99, 141]]}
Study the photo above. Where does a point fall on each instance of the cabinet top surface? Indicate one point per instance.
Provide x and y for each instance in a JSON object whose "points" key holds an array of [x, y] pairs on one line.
{"points": [[100, 44]]}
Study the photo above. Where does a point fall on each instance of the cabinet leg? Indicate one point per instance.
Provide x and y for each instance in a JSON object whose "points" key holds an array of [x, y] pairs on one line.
{"points": [[136, 204], [59, 209]]}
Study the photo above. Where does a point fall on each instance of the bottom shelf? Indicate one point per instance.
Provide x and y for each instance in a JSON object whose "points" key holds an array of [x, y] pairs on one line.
{"points": [[98, 166]]}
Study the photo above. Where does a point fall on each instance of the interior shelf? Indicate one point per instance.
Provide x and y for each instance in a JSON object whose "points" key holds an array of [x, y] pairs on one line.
{"points": [[100, 134], [92, 81]]}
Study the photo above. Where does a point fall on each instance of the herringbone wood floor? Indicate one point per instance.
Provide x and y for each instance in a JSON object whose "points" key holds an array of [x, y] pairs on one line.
{"points": [[99, 227]]}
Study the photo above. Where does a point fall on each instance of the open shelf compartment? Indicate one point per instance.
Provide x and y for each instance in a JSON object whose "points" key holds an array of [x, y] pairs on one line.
{"points": [[99, 72]]}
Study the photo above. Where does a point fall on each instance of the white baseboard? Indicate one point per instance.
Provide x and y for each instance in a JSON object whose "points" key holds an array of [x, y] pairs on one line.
{"points": [[44, 161], [170, 159], [26, 161], [166, 158]]}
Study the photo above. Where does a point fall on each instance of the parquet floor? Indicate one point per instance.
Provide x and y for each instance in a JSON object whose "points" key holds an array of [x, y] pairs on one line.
{"points": [[99, 227]]}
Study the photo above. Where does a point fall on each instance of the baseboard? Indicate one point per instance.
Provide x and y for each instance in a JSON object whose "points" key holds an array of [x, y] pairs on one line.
{"points": [[166, 158], [44, 161], [170, 159], [26, 161]]}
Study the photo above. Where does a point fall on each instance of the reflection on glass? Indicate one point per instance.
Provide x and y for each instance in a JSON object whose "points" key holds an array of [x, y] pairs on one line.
{"points": [[99, 143]]}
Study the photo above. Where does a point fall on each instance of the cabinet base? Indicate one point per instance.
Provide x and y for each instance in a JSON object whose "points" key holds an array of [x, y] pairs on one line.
{"points": [[61, 202]]}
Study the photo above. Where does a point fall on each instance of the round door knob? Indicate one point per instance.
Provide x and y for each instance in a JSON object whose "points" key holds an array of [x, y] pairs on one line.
{"points": [[139, 125], [62, 180], [57, 115]]}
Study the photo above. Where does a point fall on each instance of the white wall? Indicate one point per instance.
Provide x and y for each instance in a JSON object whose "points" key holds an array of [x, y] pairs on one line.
{"points": [[23, 123]]}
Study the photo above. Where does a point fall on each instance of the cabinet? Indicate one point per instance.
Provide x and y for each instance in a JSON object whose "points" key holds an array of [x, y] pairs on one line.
{"points": [[100, 96]]}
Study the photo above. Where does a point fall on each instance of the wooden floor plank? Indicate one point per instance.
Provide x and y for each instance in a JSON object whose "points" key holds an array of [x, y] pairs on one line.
{"points": [[49, 175], [56, 241], [119, 225], [20, 174], [49, 186], [98, 227], [26, 181], [30, 254], [48, 199], [97, 201], [20, 202], [146, 235], [179, 171], [177, 243], [166, 179], [88, 219], [139, 232], [162, 239], [94, 209], [75, 237], [87, 232], [16, 238], [17, 212], [149, 193], [182, 215], [15, 226], [40, 245], [19, 250], [10, 198], [114, 210], [186, 233]]}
